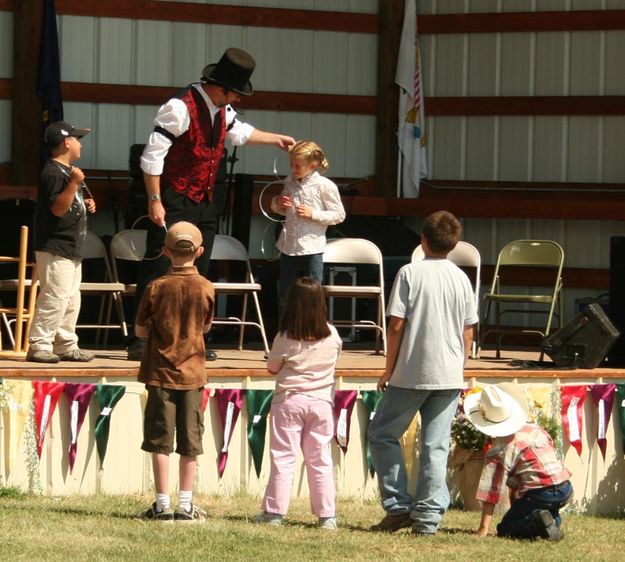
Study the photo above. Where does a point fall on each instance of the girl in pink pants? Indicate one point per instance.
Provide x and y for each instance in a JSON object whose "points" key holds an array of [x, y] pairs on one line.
{"points": [[303, 356]]}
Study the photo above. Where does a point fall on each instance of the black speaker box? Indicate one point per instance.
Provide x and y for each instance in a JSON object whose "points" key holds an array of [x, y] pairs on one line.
{"points": [[616, 357], [584, 341]]}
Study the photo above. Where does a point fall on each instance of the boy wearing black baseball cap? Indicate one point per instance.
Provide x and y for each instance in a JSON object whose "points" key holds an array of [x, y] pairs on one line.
{"points": [[63, 202]]}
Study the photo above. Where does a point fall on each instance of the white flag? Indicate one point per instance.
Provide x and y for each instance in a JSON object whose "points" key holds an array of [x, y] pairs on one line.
{"points": [[410, 133]]}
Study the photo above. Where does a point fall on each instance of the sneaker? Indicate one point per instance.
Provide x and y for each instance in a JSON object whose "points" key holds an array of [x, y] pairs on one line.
{"points": [[547, 526], [77, 355], [42, 356], [327, 523], [193, 515], [154, 514], [273, 519], [393, 522], [210, 355], [135, 350]]}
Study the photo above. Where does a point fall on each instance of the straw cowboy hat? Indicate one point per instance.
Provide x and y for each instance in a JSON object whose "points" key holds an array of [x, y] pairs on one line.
{"points": [[233, 71], [500, 409]]}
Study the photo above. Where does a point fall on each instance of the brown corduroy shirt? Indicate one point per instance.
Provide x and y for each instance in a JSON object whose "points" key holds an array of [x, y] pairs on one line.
{"points": [[175, 308]]}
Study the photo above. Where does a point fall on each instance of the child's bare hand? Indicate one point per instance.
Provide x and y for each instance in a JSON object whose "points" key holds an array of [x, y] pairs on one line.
{"points": [[90, 204], [77, 174], [285, 202], [304, 211]]}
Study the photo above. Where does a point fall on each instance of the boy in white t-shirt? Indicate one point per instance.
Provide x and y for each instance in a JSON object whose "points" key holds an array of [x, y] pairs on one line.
{"points": [[432, 313]]}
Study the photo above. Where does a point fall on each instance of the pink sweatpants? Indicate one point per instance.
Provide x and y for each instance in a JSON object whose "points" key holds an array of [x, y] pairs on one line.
{"points": [[308, 422]]}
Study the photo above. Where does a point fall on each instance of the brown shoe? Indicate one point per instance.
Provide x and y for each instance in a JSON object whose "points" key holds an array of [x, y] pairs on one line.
{"points": [[392, 522]]}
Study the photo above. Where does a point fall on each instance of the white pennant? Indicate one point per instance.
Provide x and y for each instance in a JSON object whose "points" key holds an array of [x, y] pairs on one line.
{"points": [[601, 429], [74, 420], [44, 416], [341, 428], [228, 425], [571, 414]]}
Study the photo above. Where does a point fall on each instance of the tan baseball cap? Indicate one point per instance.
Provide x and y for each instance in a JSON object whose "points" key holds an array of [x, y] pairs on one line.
{"points": [[183, 237]]}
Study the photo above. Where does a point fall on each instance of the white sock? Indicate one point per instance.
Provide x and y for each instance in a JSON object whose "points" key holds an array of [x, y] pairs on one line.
{"points": [[162, 502], [184, 499]]}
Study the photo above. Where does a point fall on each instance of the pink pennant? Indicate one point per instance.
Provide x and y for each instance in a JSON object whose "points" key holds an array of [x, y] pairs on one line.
{"points": [[571, 413], [46, 396], [344, 401], [603, 398], [229, 402], [78, 397]]}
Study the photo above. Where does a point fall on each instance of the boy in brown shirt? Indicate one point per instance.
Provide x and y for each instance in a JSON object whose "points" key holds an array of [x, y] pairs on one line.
{"points": [[175, 312]]}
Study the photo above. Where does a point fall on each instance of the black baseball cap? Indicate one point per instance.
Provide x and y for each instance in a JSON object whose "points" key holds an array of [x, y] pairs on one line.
{"points": [[58, 131]]}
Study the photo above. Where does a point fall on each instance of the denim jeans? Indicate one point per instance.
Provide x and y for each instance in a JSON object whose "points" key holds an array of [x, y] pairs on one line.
{"points": [[395, 413], [518, 521], [293, 267]]}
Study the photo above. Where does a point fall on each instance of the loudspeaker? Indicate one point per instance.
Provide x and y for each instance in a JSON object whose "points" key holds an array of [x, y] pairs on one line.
{"points": [[616, 357], [584, 341]]}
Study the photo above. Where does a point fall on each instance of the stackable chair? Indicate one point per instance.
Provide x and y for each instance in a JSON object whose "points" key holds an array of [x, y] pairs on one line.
{"points": [[354, 252], [465, 256], [515, 255], [17, 319], [227, 248], [109, 291]]}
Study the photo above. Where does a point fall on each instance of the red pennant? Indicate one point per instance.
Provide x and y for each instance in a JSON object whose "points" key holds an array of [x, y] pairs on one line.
{"points": [[205, 397], [572, 409], [229, 402], [46, 396], [603, 398], [344, 401]]}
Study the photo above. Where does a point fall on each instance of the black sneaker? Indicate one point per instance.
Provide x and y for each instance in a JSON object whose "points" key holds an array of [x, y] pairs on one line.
{"points": [[135, 350], [154, 514], [210, 355], [392, 522], [192, 515], [547, 526]]}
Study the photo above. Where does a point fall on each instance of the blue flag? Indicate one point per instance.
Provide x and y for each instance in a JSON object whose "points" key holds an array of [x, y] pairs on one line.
{"points": [[49, 79]]}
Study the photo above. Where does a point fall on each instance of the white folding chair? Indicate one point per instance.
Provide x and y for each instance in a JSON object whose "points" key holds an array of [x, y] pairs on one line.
{"points": [[358, 251], [127, 246], [464, 255], [107, 288], [227, 248]]}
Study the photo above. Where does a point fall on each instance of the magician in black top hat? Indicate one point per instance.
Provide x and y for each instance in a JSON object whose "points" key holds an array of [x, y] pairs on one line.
{"points": [[233, 71]]}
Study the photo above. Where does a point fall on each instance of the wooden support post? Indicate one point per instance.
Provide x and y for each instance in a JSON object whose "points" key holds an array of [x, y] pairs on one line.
{"points": [[26, 109], [391, 17]]}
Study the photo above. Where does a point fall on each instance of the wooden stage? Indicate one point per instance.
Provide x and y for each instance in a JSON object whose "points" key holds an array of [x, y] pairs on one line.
{"points": [[352, 364]]}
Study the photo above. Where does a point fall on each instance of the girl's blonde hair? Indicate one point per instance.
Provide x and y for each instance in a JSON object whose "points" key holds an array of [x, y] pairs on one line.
{"points": [[311, 152]]}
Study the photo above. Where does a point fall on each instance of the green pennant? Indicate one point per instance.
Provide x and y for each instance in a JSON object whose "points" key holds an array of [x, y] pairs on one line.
{"points": [[107, 395], [258, 406], [371, 399], [620, 405]]}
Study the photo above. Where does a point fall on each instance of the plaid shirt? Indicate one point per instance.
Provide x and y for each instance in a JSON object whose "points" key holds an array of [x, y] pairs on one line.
{"points": [[526, 461]]}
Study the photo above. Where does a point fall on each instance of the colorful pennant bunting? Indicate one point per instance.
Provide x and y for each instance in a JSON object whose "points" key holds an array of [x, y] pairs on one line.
{"points": [[258, 404], [78, 397], [603, 398], [344, 401], [370, 399], [46, 397], [572, 410], [229, 402], [107, 396]]}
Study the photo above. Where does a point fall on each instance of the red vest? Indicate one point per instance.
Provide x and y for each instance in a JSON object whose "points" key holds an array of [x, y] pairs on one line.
{"points": [[193, 159]]}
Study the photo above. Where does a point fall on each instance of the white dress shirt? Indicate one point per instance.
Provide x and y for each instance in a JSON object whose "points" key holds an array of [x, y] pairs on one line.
{"points": [[301, 236], [173, 116]]}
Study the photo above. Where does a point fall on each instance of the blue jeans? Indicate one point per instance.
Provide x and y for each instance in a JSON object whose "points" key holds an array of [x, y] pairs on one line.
{"points": [[293, 267], [518, 522], [395, 413]]}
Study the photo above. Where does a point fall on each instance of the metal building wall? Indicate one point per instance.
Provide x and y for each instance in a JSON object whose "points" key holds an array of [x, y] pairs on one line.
{"points": [[528, 148], [142, 52]]}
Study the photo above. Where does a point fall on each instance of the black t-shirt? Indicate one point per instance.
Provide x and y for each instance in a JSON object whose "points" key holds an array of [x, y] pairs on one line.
{"points": [[63, 236]]}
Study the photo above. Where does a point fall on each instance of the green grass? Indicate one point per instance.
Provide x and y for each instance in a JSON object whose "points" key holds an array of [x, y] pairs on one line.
{"points": [[106, 528]]}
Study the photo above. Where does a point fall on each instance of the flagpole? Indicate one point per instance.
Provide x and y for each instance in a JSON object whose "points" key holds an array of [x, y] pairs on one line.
{"points": [[400, 160]]}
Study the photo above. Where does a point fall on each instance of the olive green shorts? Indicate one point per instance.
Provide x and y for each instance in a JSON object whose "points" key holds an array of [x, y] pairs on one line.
{"points": [[171, 412]]}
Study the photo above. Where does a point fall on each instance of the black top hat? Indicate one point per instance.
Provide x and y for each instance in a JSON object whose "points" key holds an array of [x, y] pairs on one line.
{"points": [[232, 71]]}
